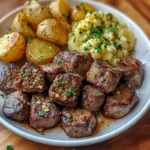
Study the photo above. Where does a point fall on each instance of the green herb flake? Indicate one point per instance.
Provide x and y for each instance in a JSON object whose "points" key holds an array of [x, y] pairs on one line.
{"points": [[41, 114], [64, 15], [34, 99], [59, 83], [70, 92], [41, 57], [68, 118], [28, 39], [22, 72], [109, 16], [51, 101], [74, 39], [2, 95], [9, 147], [59, 61]]}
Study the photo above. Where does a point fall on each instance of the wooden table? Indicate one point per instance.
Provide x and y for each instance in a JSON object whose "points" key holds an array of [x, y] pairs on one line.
{"points": [[136, 138]]}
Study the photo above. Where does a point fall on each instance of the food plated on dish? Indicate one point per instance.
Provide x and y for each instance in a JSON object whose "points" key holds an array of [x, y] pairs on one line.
{"points": [[78, 63]]}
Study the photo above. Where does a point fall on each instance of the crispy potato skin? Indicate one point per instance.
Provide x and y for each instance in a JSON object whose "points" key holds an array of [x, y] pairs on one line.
{"points": [[78, 12], [12, 47], [21, 25], [59, 9], [35, 12], [40, 52], [53, 31]]}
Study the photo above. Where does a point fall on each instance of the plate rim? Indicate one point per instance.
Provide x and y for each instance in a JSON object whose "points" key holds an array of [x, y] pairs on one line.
{"points": [[90, 140]]}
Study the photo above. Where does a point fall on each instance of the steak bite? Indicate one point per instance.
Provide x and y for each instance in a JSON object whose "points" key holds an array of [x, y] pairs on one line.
{"points": [[103, 76], [74, 62], [92, 98], [121, 102], [8, 78], [43, 113], [51, 71], [66, 89], [133, 71], [16, 106], [78, 122], [31, 79]]}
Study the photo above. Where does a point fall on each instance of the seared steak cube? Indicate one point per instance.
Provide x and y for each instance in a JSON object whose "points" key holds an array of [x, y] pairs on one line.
{"points": [[16, 106], [43, 113], [78, 122], [66, 89], [31, 79], [132, 70], [51, 70], [8, 78], [74, 62], [92, 98], [121, 102], [103, 76]]}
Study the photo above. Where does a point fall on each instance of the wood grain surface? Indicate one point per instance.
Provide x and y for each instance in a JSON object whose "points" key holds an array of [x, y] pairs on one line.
{"points": [[136, 138]]}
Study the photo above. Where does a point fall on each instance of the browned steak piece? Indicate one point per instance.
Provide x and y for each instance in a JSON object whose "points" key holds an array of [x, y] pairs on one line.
{"points": [[78, 122], [43, 112], [31, 79], [121, 102], [92, 98], [66, 89], [51, 70], [8, 78], [133, 71], [102, 75], [16, 106], [74, 62]]}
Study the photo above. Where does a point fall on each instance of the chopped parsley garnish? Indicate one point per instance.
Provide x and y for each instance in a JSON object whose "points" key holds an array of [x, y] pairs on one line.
{"points": [[59, 83], [74, 39], [68, 118], [2, 95], [34, 99], [51, 101], [41, 57], [9, 147], [64, 15], [70, 69], [112, 28], [109, 16], [28, 39], [41, 114], [22, 72], [99, 48], [59, 61], [70, 92]]}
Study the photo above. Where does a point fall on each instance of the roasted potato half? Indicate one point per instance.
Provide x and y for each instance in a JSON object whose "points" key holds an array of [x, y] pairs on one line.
{"points": [[53, 31], [59, 9], [35, 12], [21, 25], [78, 12], [12, 47], [40, 52]]}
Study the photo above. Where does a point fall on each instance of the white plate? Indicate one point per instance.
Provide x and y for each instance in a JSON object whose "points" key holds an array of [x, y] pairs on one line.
{"points": [[57, 137]]}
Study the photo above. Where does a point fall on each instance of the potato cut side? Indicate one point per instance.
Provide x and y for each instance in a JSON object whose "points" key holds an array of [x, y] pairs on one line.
{"points": [[40, 52], [12, 47]]}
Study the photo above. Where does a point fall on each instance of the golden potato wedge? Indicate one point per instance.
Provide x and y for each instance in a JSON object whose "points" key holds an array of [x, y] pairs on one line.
{"points": [[53, 31], [12, 47], [78, 12], [40, 52], [35, 12], [59, 9], [21, 25]]}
